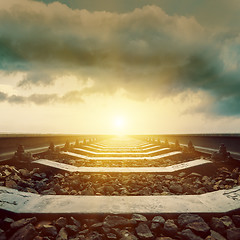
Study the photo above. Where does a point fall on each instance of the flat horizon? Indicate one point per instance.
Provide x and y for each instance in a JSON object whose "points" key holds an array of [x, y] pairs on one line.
{"points": [[157, 134]]}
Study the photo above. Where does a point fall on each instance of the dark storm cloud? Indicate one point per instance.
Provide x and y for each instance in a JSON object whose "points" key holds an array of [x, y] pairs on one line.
{"points": [[146, 52], [37, 78], [41, 99], [72, 97], [3, 96], [229, 106], [17, 99]]}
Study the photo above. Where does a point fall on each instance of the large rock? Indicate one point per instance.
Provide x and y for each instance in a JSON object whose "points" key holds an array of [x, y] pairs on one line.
{"points": [[27, 232], [36, 176], [236, 220], [49, 230], [187, 234], [126, 235], [112, 221], [217, 225], [227, 221], [88, 191], [16, 178], [59, 176], [233, 234], [186, 218], [143, 231], [48, 192], [216, 236], [24, 172], [6, 223], [170, 228], [139, 218], [176, 188], [168, 177], [97, 226], [11, 184], [40, 224], [75, 222], [31, 190], [155, 227], [61, 222], [200, 228], [158, 219], [109, 189], [25, 183], [40, 185], [146, 191], [72, 229], [22, 222], [62, 235]]}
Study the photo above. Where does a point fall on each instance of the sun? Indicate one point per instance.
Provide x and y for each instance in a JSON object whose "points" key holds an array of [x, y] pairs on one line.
{"points": [[119, 123]]}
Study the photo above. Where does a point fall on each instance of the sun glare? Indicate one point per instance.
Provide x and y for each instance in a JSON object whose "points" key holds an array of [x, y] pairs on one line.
{"points": [[119, 125], [119, 122]]}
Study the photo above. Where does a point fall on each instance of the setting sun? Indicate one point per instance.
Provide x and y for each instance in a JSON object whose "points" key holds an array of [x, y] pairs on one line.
{"points": [[119, 124]]}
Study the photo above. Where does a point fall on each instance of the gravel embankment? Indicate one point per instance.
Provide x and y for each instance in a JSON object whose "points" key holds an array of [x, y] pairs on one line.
{"points": [[137, 226], [54, 182]]}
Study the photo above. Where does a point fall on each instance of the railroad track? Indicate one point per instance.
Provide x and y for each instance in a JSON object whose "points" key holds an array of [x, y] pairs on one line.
{"points": [[120, 189]]}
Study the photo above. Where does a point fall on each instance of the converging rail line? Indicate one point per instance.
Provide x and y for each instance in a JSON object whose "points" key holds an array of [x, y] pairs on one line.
{"points": [[89, 186]]}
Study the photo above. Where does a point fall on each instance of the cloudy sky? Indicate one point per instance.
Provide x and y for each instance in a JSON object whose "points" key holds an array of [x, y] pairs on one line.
{"points": [[120, 66]]}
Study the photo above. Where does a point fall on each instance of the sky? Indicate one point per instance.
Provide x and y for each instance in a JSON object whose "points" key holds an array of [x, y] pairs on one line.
{"points": [[120, 66]]}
